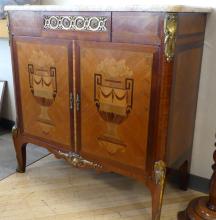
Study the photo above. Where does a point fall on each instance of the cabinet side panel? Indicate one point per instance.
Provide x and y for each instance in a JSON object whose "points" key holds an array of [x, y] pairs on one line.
{"points": [[183, 105], [190, 24]]}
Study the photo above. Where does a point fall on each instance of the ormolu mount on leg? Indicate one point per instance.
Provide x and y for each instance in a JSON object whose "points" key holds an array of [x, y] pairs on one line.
{"points": [[157, 189]]}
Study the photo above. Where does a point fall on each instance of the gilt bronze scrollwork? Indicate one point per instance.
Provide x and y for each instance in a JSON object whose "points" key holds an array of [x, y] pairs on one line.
{"points": [[77, 161]]}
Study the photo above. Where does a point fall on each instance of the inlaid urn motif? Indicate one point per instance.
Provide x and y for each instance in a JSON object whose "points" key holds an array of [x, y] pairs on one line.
{"points": [[42, 82], [113, 96]]}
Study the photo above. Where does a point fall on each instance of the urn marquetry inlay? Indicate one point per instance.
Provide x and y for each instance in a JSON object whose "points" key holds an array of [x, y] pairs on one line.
{"points": [[113, 95], [42, 82]]}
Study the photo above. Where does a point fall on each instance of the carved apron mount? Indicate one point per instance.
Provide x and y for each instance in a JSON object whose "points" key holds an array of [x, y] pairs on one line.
{"points": [[77, 161]]}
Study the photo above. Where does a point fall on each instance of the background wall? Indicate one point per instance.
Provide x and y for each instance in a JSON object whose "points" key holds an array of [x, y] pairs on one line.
{"points": [[55, 2], [206, 110], [205, 129], [9, 111]]}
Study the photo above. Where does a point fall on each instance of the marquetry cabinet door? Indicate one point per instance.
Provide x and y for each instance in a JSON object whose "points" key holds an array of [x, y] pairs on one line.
{"points": [[43, 89], [115, 88]]}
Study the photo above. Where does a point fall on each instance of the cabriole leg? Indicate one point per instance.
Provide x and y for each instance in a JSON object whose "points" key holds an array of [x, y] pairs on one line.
{"points": [[20, 149]]}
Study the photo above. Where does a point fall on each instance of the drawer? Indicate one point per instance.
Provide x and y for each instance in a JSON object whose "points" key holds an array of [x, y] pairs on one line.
{"points": [[25, 23], [77, 25], [66, 25], [137, 27]]}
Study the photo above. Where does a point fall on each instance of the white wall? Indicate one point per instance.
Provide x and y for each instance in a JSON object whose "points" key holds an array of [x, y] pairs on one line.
{"points": [[55, 2], [8, 110], [206, 109], [205, 129]]}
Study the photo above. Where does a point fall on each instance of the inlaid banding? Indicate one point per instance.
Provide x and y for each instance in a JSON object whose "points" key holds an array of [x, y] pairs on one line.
{"points": [[76, 23]]}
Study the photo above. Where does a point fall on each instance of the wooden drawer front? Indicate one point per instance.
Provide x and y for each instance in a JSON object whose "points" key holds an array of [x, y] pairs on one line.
{"points": [[137, 27], [25, 23], [77, 25], [66, 25], [43, 78], [115, 101]]}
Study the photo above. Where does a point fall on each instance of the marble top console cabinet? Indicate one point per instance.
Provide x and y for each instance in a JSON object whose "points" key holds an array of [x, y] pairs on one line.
{"points": [[109, 87]]}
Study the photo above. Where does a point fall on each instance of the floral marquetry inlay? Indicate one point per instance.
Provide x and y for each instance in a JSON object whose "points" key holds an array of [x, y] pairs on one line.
{"points": [[110, 68]]}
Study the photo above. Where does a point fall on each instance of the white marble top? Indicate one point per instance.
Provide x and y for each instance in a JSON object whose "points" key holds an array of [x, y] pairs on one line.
{"points": [[117, 5]]}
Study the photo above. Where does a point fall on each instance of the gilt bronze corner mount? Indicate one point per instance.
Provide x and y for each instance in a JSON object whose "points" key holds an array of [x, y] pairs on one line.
{"points": [[170, 28], [160, 172]]}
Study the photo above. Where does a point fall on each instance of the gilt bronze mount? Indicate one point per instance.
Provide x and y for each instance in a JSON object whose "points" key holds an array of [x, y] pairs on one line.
{"points": [[170, 27], [77, 161]]}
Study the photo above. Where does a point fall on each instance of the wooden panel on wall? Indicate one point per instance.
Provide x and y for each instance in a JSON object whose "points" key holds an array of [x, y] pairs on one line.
{"points": [[183, 105], [115, 101], [136, 27], [43, 74]]}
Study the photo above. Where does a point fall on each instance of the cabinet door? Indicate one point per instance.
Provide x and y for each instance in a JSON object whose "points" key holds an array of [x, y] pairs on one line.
{"points": [[42, 78], [115, 92]]}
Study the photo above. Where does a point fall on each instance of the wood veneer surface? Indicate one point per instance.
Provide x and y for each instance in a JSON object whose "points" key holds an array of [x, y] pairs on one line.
{"points": [[96, 139], [48, 124]]}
